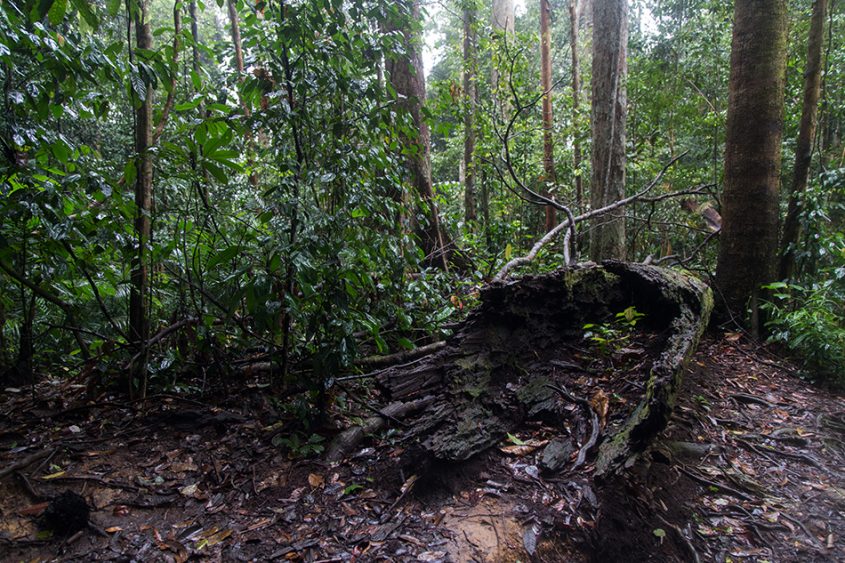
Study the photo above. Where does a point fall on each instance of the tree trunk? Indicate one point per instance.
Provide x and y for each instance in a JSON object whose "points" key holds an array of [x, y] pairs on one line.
{"points": [[470, 108], [502, 21], [752, 151], [138, 298], [549, 176], [609, 113], [806, 134], [235, 28], [406, 76], [574, 16]]}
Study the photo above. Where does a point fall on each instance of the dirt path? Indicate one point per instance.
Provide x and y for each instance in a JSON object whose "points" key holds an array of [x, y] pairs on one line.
{"points": [[752, 468]]}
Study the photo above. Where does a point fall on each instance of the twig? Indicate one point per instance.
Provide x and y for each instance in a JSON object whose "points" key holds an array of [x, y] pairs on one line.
{"points": [[405, 355], [594, 418], [719, 486], [29, 460], [569, 223]]}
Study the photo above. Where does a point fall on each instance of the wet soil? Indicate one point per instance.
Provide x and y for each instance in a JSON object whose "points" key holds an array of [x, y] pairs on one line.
{"points": [[751, 468]]}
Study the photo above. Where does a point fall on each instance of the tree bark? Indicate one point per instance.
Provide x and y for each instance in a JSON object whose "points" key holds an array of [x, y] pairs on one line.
{"points": [[752, 151], [609, 114], [138, 298], [806, 134], [549, 176], [235, 29], [407, 78], [574, 16], [470, 108]]}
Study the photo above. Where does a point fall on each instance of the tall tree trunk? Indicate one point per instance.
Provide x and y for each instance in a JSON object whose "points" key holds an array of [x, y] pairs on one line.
{"points": [[752, 152], [609, 113], [139, 298], [574, 16], [502, 21], [549, 176], [406, 76], [470, 101], [235, 29], [806, 134]]}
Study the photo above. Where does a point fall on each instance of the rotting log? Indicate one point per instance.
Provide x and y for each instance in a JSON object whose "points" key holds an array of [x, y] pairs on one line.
{"points": [[495, 372]]}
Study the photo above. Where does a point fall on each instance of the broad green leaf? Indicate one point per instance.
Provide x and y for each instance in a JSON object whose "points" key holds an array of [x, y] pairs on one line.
{"points": [[87, 13], [57, 12]]}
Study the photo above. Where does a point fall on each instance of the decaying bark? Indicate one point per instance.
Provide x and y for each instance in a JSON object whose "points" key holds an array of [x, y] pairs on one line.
{"points": [[494, 374]]}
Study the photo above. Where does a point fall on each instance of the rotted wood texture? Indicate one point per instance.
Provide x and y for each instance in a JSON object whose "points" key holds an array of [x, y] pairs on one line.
{"points": [[495, 373]]}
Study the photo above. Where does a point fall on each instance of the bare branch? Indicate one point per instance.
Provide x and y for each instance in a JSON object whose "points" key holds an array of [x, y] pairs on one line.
{"points": [[570, 222]]}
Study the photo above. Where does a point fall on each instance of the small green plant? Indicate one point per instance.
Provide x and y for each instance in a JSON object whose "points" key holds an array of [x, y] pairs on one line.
{"points": [[611, 336], [298, 446], [810, 322]]}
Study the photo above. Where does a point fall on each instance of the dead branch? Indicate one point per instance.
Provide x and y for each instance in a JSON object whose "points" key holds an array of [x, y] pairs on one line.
{"points": [[348, 440], [29, 460], [399, 357], [569, 223], [594, 419]]}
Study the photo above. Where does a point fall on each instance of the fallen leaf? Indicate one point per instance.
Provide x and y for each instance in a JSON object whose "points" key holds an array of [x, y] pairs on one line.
{"points": [[189, 490], [316, 480], [601, 404], [55, 475], [33, 510], [114, 529], [409, 483]]}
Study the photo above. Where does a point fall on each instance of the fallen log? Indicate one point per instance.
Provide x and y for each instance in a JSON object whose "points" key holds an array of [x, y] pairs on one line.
{"points": [[494, 373]]}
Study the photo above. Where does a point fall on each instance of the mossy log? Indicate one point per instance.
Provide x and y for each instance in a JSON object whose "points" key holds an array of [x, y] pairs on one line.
{"points": [[494, 373]]}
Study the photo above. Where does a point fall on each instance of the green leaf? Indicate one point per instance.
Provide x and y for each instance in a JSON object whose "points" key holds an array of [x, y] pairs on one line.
{"points": [[188, 105], [41, 9], [138, 86], [352, 488], [57, 12], [196, 80], [87, 13], [113, 7], [514, 440], [406, 344], [218, 173]]}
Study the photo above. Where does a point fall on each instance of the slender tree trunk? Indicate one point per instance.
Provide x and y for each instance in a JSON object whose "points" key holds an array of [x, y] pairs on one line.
{"points": [[408, 81], [609, 113], [806, 134], [470, 101], [752, 152], [139, 298], [549, 176], [574, 16], [235, 28], [502, 21]]}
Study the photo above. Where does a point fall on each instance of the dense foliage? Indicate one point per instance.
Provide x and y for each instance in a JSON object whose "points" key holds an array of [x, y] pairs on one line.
{"points": [[280, 200]]}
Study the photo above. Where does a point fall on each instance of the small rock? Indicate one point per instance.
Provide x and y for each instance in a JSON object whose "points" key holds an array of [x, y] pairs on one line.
{"points": [[556, 455]]}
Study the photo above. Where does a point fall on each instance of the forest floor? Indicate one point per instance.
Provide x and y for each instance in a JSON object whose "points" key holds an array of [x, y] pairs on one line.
{"points": [[751, 468]]}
